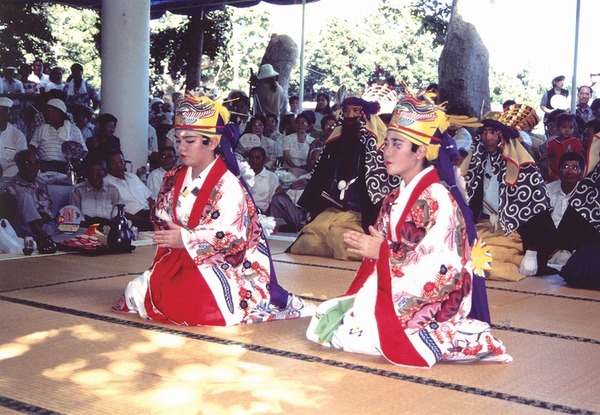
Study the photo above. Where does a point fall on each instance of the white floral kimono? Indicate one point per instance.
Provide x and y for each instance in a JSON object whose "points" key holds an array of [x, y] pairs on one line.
{"points": [[223, 275], [411, 304]]}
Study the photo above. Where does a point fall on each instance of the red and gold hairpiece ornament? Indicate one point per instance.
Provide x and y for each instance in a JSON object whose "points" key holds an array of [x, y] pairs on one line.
{"points": [[201, 114]]}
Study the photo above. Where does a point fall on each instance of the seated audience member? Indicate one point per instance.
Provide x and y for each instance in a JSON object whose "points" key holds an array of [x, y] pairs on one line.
{"points": [[328, 123], [12, 140], [133, 193], [565, 141], [240, 113], [34, 206], [254, 136], [167, 158], [153, 146], [570, 171], [265, 182], [595, 107], [80, 91], [500, 170], [271, 131], [297, 145], [579, 228], [348, 185], [48, 138], [105, 140], [155, 111], [294, 103], [56, 81], [284, 204], [288, 126], [322, 108], [82, 118], [96, 200]]}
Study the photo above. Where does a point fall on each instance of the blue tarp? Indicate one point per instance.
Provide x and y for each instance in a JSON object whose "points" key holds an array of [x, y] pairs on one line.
{"points": [[186, 7]]}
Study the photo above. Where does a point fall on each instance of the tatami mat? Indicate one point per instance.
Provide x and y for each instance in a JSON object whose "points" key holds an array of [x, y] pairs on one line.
{"points": [[64, 351]]}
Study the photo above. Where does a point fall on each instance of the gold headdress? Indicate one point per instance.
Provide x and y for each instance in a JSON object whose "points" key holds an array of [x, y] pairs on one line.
{"points": [[520, 116], [200, 113], [422, 122]]}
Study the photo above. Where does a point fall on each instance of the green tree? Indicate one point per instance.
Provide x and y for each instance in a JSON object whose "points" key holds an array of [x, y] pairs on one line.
{"points": [[521, 88], [77, 40], [382, 47], [20, 42], [251, 32], [172, 42], [434, 16]]}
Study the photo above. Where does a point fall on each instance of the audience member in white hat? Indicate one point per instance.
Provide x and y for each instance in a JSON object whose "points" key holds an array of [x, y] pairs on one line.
{"points": [[49, 137], [269, 96], [12, 140]]}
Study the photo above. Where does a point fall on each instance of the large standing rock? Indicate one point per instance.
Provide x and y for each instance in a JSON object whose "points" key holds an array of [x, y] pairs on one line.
{"points": [[282, 53], [464, 68]]}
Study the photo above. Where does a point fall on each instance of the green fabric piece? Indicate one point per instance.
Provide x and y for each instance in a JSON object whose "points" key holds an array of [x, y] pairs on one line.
{"points": [[330, 321]]}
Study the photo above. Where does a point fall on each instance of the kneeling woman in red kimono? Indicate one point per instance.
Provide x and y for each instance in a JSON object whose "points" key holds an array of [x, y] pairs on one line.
{"points": [[212, 265], [412, 295]]}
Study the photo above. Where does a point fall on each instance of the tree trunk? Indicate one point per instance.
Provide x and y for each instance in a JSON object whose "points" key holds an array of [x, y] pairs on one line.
{"points": [[463, 71], [282, 53], [195, 37]]}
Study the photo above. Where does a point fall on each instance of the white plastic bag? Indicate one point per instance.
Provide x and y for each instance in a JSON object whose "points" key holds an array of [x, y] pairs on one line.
{"points": [[9, 241]]}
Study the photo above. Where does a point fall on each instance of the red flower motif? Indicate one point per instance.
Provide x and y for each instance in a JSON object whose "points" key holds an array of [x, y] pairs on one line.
{"points": [[412, 233]]}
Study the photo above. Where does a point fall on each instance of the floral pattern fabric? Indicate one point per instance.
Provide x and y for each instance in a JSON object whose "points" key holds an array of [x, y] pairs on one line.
{"points": [[431, 281], [226, 269]]}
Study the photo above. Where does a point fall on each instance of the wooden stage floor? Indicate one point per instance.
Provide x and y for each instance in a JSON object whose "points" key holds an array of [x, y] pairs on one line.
{"points": [[63, 351]]}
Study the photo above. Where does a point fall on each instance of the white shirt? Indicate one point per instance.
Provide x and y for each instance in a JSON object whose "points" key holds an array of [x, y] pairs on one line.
{"points": [[48, 140], [133, 193], [263, 189], [12, 140], [152, 140], [558, 200], [491, 190], [154, 181]]}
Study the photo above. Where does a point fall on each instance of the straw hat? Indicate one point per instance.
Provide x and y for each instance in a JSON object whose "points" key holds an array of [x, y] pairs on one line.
{"points": [[266, 71]]}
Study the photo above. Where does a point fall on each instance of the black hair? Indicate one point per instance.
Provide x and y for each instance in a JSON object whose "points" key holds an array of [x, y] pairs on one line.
{"points": [[22, 155], [572, 156], [593, 124], [558, 79], [565, 118], [328, 117], [260, 149], [306, 116], [585, 86], [508, 103], [554, 115], [113, 152], [595, 104], [271, 115], [327, 109], [105, 118], [250, 124], [170, 148], [77, 66], [93, 160]]}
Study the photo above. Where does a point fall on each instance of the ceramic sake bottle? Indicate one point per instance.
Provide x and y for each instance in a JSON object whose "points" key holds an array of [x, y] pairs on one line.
{"points": [[119, 238]]}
